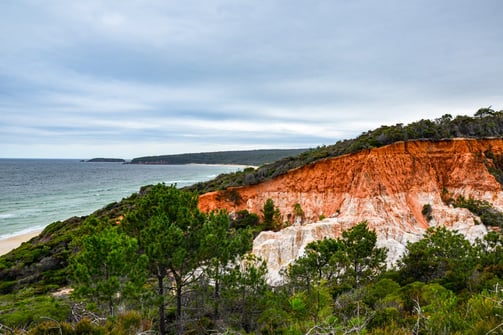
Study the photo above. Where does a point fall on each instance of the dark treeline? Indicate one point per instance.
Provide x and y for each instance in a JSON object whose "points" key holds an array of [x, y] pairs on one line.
{"points": [[166, 268], [106, 160], [243, 157], [485, 123]]}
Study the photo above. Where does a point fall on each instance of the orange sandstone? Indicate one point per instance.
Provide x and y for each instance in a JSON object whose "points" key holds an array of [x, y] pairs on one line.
{"points": [[405, 168], [386, 186]]}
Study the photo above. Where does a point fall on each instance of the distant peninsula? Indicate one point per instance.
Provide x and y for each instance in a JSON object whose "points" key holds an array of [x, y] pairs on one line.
{"points": [[105, 160], [244, 157]]}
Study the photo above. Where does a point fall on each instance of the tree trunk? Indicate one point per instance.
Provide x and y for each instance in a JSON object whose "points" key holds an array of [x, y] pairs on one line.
{"points": [[179, 327], [216, 296], [243, 308], [160, 293]]}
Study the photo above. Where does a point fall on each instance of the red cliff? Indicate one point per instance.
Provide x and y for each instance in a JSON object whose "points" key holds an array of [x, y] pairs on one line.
{"points": [[386, 186]]}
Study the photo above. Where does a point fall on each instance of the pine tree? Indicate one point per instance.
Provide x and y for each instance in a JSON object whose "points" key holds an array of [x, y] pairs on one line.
{"points": [[108, 269]]}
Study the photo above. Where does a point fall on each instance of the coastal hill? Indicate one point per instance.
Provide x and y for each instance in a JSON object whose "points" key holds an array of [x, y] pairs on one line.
{"points": [[242, 157]]}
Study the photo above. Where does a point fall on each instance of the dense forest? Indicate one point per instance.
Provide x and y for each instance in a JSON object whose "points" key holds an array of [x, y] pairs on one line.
{"points": [[154, 264], [485, 123], [243, 157]]}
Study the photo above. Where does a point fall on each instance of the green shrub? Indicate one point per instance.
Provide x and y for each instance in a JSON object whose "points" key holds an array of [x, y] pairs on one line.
{"points": [[86, 327], [427, 210], [379, 290], [50, 327], [23, 311], [385, 317], [128, 323], [7, 286], [245, 219], [489, 215]]}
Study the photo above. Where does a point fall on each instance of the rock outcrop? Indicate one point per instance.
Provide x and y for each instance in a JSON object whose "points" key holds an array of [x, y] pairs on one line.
{"points": [[388, 187]]}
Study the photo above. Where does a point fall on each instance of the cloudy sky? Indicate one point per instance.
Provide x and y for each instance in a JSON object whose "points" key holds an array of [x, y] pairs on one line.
{"points": [[83, 79]]}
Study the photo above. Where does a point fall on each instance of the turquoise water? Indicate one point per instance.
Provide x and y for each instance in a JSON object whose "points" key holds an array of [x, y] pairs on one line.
{"points": [[37, 192]]}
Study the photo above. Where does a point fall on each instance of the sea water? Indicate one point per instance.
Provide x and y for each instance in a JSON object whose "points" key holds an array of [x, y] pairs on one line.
{"points": [[37, 192]]}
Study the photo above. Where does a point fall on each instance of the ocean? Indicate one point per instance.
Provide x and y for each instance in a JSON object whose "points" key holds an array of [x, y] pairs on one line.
{"points": [[37, 192]]}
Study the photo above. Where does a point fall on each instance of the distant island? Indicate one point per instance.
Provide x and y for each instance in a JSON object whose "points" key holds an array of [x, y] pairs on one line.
{"points": [[106, 160], [243, 157]]}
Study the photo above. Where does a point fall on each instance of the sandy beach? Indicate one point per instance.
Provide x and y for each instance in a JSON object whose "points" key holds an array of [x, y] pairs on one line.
{"points": [[13, 242]]}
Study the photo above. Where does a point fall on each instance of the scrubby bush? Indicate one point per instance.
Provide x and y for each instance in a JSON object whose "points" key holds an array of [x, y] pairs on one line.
{"points": [[426, 211]]}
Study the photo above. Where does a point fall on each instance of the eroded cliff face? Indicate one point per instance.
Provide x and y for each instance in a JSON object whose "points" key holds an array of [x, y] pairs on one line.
{"points": [[387, 187]]}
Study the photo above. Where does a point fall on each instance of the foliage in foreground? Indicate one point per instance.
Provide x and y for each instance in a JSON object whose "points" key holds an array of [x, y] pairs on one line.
{"points": [[200, 281]]}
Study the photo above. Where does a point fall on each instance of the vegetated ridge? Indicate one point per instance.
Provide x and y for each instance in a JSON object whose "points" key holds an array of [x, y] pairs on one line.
{"points": [[242, 157], [485, 123], [105, 160]]}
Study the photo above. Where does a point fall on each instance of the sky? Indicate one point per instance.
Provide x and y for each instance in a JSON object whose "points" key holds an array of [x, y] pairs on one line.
{"points": [[83, 79]]}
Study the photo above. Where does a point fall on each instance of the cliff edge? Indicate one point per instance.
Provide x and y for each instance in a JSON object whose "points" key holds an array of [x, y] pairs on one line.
{"points": [[388, 187]]}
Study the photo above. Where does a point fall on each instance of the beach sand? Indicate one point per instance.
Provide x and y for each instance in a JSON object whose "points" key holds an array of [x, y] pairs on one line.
{"points": [[13, 242]]}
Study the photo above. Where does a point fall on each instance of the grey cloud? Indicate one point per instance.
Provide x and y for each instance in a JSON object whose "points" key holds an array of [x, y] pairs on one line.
{"points": [[176, 77]]}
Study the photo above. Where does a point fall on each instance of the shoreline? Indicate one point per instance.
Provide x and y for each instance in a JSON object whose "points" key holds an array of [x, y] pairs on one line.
{"points": [[13, 242]]}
